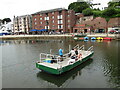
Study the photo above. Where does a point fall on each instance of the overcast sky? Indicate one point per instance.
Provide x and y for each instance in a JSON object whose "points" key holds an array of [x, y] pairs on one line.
{"points": [[9, 8]]}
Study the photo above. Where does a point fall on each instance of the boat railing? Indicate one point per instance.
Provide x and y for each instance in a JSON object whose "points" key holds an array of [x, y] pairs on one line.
{"points": [[90, 49], [82, 47], [77, 46], [44, 56], [57, 58]]}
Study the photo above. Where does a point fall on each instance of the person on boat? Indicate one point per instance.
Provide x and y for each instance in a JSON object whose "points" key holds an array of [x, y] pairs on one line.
{"points": [[71, 53], [76, 52], [61, 52]]}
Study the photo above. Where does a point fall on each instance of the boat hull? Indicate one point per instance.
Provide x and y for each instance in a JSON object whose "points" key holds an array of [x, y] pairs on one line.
{"points": [[63, 69]]}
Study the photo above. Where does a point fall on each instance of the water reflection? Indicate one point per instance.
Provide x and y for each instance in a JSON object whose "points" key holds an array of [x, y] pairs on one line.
{"points": [[65, 78]]}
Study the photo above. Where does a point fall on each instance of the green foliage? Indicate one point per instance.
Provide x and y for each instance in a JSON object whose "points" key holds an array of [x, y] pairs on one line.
{"points": [[6, 19], [88, 12], [109, 12], [113, 4], [97, 13], [78, 7]]}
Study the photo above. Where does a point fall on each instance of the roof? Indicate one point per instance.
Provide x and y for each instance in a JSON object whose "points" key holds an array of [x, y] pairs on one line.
{"points": [[48, 11]]}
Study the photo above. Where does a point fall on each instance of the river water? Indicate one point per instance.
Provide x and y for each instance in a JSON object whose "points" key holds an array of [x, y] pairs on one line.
{"points": [[19, 71]]}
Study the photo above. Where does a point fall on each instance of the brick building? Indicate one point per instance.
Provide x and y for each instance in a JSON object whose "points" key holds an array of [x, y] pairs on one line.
{"points": [[89, 24], [57, 20]]}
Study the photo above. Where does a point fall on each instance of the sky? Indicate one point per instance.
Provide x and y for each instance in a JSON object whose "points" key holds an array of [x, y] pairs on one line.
{"points": [[9, 8]]}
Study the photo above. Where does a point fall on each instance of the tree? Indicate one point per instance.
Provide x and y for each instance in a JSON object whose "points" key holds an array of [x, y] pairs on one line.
{"points": [[109, 12], [97, 13], [113, 4], [78, 7], [6, 19], [87, 12]]}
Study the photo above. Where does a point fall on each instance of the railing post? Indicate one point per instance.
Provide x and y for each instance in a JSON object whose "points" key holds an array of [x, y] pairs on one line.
{"points": [[69, 48], [40, 57], [83, 47]]}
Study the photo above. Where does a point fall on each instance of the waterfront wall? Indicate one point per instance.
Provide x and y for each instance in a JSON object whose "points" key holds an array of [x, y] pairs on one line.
{"points": [[35, 36], [68, 36]]}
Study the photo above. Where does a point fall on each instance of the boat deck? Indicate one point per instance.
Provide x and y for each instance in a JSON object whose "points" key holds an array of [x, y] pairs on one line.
{"points": [[65, 61]]}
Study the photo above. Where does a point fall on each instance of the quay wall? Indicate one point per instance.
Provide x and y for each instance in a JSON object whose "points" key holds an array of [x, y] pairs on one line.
{"points": [[34, 37], [70, 36]]}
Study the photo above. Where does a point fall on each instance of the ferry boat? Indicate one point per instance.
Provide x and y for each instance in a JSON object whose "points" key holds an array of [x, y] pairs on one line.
{"points": [[54, 64]]}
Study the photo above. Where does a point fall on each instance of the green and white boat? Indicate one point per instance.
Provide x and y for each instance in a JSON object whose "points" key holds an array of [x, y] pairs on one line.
{"points": [[54, 64]]}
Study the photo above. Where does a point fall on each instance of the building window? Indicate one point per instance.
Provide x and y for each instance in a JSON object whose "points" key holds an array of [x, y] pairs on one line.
{"points": [[35, 23], [52, 17], [60, 21], [68, 21], [40, 18], [59, 16], [60, 26], [40, 22], [46, 27], [35, 19], [53, 21], [52, 12], [40, 14], [68, 15], [68, 26], [46, 18]]}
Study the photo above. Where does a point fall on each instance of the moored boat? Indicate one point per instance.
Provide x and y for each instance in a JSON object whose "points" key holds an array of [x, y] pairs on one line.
{"points": [[55, 65], [93, 38], [86, 38], [81, 38], [107, 38], [99, 38], [75, 38]]}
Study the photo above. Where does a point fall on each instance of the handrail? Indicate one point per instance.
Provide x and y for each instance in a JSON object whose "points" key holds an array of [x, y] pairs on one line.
{"points": [[77, 46], [82, 47], [90, 48]]}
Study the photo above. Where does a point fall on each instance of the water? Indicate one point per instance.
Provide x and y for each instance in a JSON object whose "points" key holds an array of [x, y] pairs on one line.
{"points": [[19, 71]]}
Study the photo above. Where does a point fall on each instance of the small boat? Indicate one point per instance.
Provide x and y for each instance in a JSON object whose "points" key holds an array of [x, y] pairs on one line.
{"points": [[99, 38], [54, 64], [86, 38], [93, 38], [107, 38], [75, 38], [81, 38]]}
